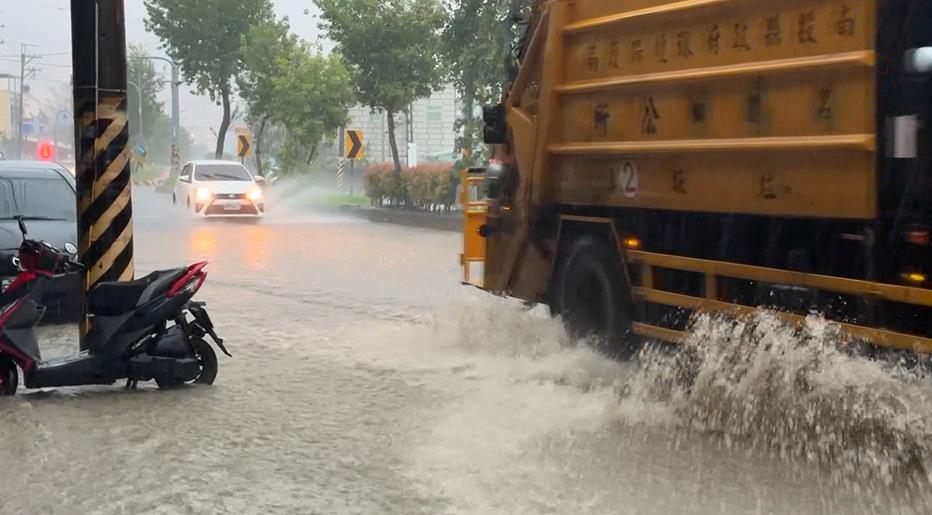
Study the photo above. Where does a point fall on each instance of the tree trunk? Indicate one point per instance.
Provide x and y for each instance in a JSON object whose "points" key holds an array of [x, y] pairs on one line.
{"points": [[311, 154], [258, 151], [224, 125], [391, 141]]}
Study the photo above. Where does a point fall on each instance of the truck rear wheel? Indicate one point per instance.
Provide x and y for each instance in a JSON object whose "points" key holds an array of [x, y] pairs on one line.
{"points": [[593, 296]]}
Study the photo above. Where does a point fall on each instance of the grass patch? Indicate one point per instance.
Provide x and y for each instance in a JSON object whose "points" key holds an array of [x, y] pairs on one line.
{"points": [[345, 199], [148, 172]]}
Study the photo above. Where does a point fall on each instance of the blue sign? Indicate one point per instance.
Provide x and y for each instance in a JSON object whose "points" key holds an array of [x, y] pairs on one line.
{"points": [[63, 116]]}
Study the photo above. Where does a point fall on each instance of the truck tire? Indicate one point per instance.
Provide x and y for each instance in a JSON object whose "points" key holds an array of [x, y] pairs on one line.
{"points": [[592, 295]]}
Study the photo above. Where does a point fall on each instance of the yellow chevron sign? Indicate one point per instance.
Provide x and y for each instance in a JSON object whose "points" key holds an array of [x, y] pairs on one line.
{"points": [[353, 143]]}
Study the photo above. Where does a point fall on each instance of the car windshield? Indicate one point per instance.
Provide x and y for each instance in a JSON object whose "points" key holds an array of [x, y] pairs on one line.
{"points": [[36, 198], [221, 172]]}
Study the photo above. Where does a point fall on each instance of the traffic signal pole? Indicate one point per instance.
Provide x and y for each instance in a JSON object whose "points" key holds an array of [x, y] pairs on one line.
{"points": [[104, 207]]}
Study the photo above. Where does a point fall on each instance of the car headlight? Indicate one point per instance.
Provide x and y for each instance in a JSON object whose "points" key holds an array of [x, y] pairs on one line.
{"points": [[202, 195], [255, 195]]}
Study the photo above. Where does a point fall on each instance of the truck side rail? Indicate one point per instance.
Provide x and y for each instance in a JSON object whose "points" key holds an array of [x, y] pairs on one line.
{"points": [[714, 271]]}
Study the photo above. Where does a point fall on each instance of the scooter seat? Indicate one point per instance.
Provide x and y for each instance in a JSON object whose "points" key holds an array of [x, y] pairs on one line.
{"points": [[116, 298]]}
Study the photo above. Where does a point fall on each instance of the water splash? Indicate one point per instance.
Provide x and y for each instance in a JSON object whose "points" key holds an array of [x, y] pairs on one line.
{"points": [[522, 400], [795, 392]]}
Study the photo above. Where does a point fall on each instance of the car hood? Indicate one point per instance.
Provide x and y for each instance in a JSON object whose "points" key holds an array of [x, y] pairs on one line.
{"points": [[225, 187], [56, 232]]}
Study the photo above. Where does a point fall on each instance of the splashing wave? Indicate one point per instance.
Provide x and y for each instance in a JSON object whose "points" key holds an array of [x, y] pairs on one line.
{"points": [[795, 392]]}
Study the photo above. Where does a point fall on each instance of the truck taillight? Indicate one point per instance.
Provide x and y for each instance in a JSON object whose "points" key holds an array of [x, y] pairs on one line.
{"points": [[917, 237]]}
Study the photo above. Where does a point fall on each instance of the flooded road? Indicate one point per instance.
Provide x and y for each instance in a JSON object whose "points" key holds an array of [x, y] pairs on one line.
{"points": [[366, 380]]}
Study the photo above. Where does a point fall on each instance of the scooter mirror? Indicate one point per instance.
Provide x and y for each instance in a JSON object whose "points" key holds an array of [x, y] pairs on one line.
{"points": [[70, 248], [22, 226]]}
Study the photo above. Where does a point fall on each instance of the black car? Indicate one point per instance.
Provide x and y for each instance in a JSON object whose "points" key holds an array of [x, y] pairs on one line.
{"points": [[43, 194]]}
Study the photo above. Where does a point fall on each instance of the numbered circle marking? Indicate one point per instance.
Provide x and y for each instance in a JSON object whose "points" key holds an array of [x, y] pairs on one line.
{"points": [[627, 178]]}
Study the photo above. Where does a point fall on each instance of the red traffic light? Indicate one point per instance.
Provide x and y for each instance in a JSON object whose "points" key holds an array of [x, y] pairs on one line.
{"points": [[45, 151]]}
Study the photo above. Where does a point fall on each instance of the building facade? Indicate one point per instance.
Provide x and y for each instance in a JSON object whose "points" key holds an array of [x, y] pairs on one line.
{"points": [[6, 114], [430, 126]]}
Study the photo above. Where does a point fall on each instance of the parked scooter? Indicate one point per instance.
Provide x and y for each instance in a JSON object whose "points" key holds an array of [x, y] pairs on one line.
{"points": [[140, 330]]}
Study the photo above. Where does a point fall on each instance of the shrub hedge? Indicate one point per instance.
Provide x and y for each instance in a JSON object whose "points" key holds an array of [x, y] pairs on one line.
{"points": [[425, 187]]}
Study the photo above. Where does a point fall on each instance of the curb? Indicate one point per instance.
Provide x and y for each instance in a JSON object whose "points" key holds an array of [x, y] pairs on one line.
{"points": [[449, 223], [145, 183]]}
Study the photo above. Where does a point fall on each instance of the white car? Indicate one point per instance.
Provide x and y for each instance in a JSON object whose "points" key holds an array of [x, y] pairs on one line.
{"points": [[219, 188]]}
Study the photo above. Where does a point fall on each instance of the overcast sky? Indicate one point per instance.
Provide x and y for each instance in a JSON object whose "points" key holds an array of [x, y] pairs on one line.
{"points": [[47, 24]]}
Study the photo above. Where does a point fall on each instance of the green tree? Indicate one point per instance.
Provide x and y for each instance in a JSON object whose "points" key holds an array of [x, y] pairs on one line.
{"points": [[205, 38], [267, 52], [393, 49], [475, 43], [311, 98]]}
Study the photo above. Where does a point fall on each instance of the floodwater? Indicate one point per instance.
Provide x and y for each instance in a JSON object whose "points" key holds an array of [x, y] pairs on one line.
{"points": [[366, 380]]}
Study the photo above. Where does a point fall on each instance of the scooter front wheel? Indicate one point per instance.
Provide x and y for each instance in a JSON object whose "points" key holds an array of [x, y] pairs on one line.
{"points": [[9, 377]]}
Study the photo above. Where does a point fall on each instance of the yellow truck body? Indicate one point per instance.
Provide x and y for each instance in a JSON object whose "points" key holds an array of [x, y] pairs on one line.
{"points": [[725, 150]]}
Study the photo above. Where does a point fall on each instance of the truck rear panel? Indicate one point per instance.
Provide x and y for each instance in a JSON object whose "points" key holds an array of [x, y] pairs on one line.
{"points": [[759, 107]]}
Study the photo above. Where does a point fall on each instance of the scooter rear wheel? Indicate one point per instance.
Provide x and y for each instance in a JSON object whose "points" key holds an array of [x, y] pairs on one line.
{"points": [[207, 359], [9, 377], [207, 365]]}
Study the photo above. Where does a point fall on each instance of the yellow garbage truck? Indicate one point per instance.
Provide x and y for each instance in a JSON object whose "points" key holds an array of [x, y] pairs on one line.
{"points": [[654, 159]]}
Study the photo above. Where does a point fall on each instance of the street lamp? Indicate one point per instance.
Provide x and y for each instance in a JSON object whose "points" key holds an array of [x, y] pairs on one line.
{"points": [[139, 96], [138, 88], [176, 111]]}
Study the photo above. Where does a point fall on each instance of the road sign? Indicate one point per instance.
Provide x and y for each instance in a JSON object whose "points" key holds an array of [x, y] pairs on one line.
{"points": [[64, 116], [355, 149], [243, 145]]}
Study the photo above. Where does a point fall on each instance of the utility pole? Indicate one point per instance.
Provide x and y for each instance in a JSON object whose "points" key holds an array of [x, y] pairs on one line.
{"points": [[382, 134], [104, 200], [24, 60], [176, 125], [411, 146]]}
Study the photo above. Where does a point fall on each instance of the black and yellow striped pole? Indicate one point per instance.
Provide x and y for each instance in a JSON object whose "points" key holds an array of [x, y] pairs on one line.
{"points": [[105, 213]]}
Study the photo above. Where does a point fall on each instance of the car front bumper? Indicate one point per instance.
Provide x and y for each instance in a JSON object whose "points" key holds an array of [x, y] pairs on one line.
{"points": [[222, 206]]}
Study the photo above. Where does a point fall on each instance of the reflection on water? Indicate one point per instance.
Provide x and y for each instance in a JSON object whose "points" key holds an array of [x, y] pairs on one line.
{"points": [[255, 248], [202, 241]]}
